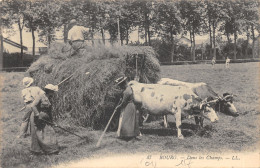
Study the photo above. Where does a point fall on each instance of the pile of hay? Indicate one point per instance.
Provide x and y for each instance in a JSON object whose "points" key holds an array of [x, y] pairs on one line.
{"points": [[89, 100]]}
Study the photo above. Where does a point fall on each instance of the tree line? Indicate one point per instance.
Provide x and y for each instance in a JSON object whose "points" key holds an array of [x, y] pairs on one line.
{"points": [[163, 20]]}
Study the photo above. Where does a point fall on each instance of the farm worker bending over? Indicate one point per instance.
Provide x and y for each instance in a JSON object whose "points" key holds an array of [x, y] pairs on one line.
{"points": [[28, 99], [38, 108], [76, 36], [128, 127], [227, 62]]}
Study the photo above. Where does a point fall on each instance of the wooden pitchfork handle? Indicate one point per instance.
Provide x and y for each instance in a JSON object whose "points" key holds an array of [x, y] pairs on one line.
{"points": [[65, 79], [22, 109], [101, 137], [69, 78], [55, 125]]}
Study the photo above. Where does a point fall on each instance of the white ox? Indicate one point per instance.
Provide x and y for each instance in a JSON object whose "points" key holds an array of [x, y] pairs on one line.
{"points": [[175, 100], [224, 105]]}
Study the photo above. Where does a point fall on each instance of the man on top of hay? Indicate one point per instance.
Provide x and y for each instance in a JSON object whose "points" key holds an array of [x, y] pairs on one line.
{"points": [[76, 36], [128, 127]]}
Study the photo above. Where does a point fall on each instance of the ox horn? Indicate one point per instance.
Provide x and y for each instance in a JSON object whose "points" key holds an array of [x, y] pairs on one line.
{"points": [[203, 102], [209, 102], [227, 96]]}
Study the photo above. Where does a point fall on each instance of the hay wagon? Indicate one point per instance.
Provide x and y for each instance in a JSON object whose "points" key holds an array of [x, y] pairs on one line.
{"points": [[89, 100]]}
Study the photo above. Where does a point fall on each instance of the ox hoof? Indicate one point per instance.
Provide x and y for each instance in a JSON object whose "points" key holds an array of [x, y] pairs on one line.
{"points": [[181, 137]]}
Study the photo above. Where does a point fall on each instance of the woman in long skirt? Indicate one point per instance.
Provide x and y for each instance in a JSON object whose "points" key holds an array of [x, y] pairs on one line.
{"points": [[43, 136], [38, 114], [129, 118], [128, 122]]}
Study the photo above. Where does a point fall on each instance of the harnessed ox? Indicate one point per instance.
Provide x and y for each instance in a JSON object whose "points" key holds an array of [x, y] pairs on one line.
{"points": [[222, 104], [175, 100]]}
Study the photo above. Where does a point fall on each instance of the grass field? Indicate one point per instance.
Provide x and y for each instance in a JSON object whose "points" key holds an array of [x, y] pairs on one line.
{"points": [[230, 134]]}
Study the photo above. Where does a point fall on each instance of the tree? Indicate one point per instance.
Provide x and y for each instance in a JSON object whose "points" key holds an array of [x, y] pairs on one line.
{"points": [[124, 13], [65, 16], [146, 12], [109, 16], [128, 20], [214, 15], [168, 23], [48, 20], [251, 21], [233, 21], [89, 16], [221, 43], [32, 19], [191, 12], [14, 12], [250, 11], [102, 18]]}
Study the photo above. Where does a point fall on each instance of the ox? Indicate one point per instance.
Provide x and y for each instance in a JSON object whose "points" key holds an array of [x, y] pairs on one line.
{"points": [[223, 104], [175, 100]]}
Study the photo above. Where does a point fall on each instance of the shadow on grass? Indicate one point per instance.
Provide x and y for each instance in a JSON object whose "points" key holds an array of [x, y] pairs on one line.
{"points": [[85, 141], [192, 127], [187, 130], [235, 136]]}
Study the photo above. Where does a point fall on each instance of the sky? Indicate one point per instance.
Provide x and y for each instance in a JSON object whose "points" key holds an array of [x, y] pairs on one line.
{"points": [[27, 38], [15, 36]]}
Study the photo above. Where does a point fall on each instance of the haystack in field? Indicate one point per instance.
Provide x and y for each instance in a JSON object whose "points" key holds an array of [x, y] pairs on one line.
{"points": [[89, 100]]}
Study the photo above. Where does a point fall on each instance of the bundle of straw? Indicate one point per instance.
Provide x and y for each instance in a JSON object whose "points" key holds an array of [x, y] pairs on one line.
{"points": [[89, 100]]}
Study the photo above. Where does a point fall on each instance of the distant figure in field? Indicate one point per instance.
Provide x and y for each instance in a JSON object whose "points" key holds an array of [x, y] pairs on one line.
{"points": [[227, 62], [76, 36], [213, 61]]}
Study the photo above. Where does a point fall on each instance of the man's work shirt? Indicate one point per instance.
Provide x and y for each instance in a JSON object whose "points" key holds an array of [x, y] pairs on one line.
{"points": [[31, 93], [77, 33], [35, 95]]}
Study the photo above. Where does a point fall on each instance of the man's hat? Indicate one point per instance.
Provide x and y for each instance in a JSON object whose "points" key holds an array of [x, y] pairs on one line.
{"points": [[52, 87], [73, 21], [27, 81], [120, 80]]}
